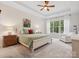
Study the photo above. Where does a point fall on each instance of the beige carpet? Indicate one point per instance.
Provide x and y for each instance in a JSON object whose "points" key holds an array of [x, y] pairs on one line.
{"points": [[57, 49]]}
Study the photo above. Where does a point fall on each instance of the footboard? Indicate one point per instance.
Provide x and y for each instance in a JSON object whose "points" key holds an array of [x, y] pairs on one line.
{"points": [[40, 42], [34, 41]]}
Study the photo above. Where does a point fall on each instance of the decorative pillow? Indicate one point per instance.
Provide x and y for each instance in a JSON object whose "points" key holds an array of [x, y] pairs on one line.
{"points": [[30, 31]]}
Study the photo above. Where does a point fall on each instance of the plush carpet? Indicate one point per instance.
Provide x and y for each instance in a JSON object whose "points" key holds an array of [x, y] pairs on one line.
{"points": [[56, 49]]}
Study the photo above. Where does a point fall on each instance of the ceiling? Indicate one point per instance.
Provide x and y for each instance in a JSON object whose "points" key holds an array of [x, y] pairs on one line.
{"points": [[60, 7], [33, 6]]}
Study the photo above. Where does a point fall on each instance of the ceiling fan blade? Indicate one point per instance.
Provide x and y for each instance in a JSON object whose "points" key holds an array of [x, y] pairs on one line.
{"points": [[42, 8], [0, 11], [51, 6], [47, 9], [40, 5]]}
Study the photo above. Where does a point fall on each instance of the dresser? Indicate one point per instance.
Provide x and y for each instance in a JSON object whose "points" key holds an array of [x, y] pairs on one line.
{"points": [[9, 40], [75, 46]]}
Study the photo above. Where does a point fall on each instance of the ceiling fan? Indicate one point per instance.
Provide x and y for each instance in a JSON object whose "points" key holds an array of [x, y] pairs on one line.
{"points": [[46, 6]]}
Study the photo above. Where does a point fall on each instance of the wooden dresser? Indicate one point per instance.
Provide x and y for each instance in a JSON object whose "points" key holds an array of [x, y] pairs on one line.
{"points": [[9, 40], [75, 46]]}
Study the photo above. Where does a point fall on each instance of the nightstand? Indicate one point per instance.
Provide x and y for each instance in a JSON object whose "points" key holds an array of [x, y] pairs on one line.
{"points": [[9, 40]]}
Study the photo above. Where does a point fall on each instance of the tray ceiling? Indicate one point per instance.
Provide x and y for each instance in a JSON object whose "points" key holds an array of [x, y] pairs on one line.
{"points": [[60, 7]]}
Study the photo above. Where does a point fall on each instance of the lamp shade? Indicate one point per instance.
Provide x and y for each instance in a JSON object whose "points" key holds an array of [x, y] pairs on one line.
{"points": [[9, 30]]}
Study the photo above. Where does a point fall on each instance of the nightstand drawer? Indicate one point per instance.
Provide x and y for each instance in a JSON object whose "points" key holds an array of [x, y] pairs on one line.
{"points": [[9, 40]]}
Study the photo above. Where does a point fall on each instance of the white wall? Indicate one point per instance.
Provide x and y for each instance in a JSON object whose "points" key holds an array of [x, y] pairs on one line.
{"points": [[47, 26], [13, 17], [66, 23], [69, 22], [74, 21]]}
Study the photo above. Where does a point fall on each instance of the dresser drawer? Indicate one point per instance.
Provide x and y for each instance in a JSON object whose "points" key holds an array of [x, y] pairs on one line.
{"points": [[9, 40]]}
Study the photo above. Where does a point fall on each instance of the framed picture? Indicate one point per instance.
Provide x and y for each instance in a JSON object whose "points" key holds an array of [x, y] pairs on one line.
{"points": [[27, 23]]}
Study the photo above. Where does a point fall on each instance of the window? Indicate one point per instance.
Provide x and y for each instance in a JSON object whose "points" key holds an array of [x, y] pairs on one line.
{"points": [[57, 26], [62, 26]]}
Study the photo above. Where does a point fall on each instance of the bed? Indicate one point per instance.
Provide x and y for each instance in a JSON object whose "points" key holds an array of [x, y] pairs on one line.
{"points": [[34, 41]]}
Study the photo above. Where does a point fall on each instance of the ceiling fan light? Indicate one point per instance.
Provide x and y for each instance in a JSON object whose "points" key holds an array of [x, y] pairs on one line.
{"points": [[45, 8]]}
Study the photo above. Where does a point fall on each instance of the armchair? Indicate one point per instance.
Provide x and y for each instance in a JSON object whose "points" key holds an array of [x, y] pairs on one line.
{"points": [[66, 38]]}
